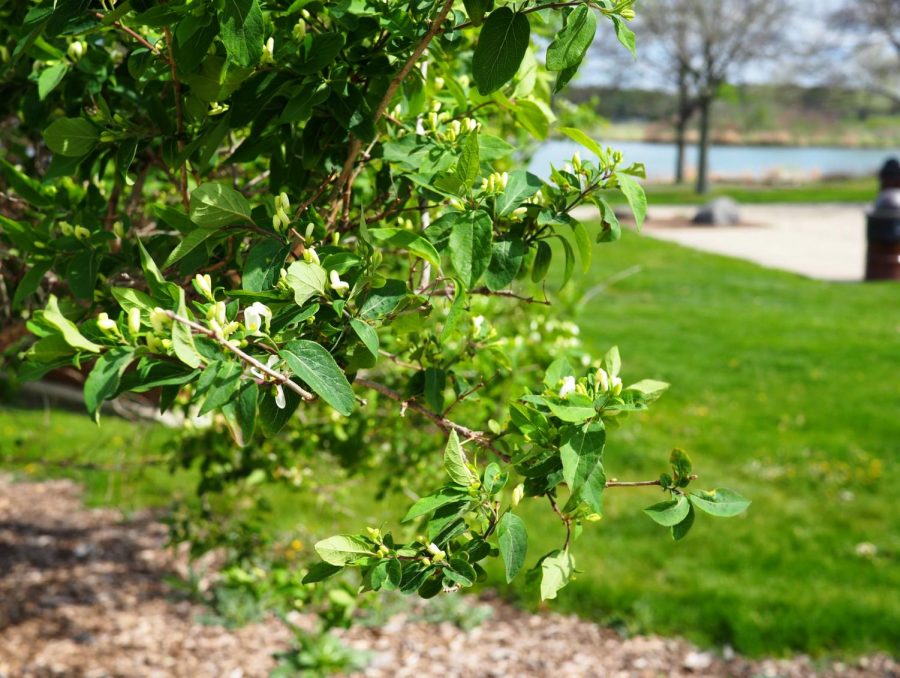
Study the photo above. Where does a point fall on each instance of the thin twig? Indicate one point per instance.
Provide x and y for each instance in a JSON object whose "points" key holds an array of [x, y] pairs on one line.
{"points": [[356, 144], [484, 291], [639, 483], [478, 437], [247, 358], [179, 120], [563, 517], [137, 36]]}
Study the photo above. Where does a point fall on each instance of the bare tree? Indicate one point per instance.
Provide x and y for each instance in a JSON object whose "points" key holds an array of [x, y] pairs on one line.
{"points": [[701, 44], [875, 26]]}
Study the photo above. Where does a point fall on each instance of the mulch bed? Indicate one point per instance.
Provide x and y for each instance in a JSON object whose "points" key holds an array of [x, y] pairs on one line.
{"points": [[83, 593]]}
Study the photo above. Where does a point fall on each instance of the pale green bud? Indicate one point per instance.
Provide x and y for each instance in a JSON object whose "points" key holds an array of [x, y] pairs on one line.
{"points": [[106, 324], [82, 233], [134, 321], [517, 494]]}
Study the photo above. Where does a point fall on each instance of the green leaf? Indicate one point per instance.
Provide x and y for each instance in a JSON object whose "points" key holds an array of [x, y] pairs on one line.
{"points": [[583, 244], [649, 388], [521, 186], [460, 572], [241, 31], [576, 409], [262, 265], [455, 462], [191, 242], [507, 254], [50, 77], [573, 41], [366, 334], [25, 186], [556, 571], [581, 450], [681, 463], [542, 259], [103, 381], [245, 409], [307, 280], [680, 530], [469, 166], [215, 205], [432, 502], [316, 366], [634, 194], [320, 572], [476, 10], [493, 479], [82, 273], [159, 287], [71, 137], [70, 332], [30, 282], [470, 246], [534, 117], [513, 538], [343, 549], [384, 300], [493, 148], [625, 35], [501, 47], [415, 243], [722, 502], [669, 513], [580, 137], [224, 386], [386, 575], [129, 298], [183, 338], [612, 361]]}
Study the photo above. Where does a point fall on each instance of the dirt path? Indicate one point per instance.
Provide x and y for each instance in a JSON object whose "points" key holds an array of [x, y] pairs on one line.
{"points": [[82, 594]]}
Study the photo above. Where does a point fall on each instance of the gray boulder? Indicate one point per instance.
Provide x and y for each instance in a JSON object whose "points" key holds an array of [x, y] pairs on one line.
{"points": [[719, 212]]}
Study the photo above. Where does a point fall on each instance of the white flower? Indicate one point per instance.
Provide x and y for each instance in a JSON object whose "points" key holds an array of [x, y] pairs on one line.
{"points": [[337, 284], [567, 387], [478, 323], [866, 550], [203, 283], [279, 397], [268, 54], [270, 363], [76, 50], [255, 316]]}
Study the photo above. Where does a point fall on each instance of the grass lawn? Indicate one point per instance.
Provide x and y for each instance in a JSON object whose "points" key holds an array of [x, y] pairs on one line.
{"points": [[844, 190], [784, 389]]}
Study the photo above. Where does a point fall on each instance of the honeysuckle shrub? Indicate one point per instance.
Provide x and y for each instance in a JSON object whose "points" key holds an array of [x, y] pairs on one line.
{"points": [[312, 225]]}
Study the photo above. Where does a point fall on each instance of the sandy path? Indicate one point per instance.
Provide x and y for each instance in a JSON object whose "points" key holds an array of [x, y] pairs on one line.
{"points": [[825, 241]]}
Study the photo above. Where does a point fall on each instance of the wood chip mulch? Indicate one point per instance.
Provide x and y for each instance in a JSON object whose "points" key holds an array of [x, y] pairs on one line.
{"points": [[83, 593]]}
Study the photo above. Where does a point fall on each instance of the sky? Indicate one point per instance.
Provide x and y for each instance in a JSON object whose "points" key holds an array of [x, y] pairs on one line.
{"points": [[808, 28]]}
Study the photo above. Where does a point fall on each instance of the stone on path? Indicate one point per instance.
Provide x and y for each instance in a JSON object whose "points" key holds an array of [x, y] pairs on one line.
{"points": [[719, 212]]}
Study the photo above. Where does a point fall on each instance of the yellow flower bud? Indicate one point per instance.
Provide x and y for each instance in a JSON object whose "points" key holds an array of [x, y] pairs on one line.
{"points": [[134, 320]]}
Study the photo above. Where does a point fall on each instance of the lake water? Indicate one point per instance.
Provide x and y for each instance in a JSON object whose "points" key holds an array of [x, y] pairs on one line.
{"points": [[732, 162]]}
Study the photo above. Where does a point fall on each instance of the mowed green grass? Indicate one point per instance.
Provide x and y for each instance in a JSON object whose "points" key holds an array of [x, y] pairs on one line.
{"points": [[840, 190], [783, 388]]}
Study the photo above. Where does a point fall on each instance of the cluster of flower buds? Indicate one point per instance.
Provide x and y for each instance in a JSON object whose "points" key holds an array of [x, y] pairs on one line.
{"points": [[160, 322], [203, 285], [310, 256], [496, 182], [281, 220], [607, 384], [405, 223], [268, 53], [457, 127], [627, 13], [107, 325], [215, 108], [75, 51], [299, 30]]}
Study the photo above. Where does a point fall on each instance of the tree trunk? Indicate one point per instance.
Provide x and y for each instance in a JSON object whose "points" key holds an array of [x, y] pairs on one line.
{"points": [[680, 131], [703, 149]]}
